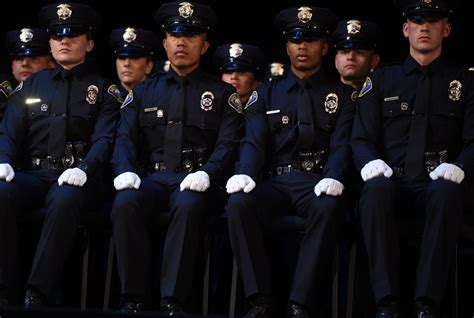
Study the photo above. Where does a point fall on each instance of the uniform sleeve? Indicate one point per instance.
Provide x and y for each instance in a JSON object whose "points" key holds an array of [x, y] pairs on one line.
{"points": [[253, 145], [124, 156], [466, 157], [338, 164], [223, 156], [103, 137], [367, 127]]}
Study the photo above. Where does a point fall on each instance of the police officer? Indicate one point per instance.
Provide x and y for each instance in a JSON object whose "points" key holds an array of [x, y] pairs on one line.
{"points": [[242, 66], [356, 44], [135, 51], [181, 125], [57, 131], [413, 143], [303, 120], [30, 52]]}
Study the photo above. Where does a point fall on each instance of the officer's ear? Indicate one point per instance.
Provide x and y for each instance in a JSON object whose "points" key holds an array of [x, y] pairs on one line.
{"points": [[446, 29], [90, 45], [149, 66], [374, 61], [325, 48]]}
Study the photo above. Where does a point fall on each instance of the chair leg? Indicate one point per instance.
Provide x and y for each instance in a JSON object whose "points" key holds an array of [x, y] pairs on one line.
{"points": [[108, 274], [205, 283], [335, 284], [350, 279], [85, 269], [233, 290]]}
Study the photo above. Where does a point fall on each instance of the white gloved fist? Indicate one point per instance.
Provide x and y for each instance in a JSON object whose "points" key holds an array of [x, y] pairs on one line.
{"points": [[448, 171], [197, 181], [6, 172], [73, 176], [127, 180], [375, 168], [329, 186], [240, 182]]}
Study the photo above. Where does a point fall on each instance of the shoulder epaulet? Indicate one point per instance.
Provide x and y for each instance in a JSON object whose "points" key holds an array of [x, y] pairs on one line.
{"points": [[6, 88], [115, 92], [235, 102], [18, 88], [128, 99], [252, 99], [366, 87]]}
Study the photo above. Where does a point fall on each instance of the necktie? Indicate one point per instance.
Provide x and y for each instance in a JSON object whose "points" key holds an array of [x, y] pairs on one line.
{"points": [[174, 128], [414, 162], [305, 117], [58, 122]]}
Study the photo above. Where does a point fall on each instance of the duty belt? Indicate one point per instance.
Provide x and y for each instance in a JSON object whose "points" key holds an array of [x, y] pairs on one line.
{"points": [[191, 160], [284, 169], [74, 152], [49, 163], [432, 160]]}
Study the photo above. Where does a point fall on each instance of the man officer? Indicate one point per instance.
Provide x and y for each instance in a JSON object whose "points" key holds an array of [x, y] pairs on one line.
{"points": [[303, 120], [135, 51], [58, 132], [356, 44], [182, 126], [413, 142]]}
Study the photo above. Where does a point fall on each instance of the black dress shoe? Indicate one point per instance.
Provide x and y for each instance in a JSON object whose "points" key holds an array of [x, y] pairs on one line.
{"points": [[171, 306], [260, 311], [296, 311], [425, 310], [388, 307], [33, 300], [131, 307]]}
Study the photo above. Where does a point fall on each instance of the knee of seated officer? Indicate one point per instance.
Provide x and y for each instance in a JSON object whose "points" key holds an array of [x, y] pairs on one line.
{"points": [[445, 190], [378, 187], [126, 206], [239, 206]]}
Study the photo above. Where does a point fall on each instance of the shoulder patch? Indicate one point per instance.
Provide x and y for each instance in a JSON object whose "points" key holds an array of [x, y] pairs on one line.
{"points": [[128, 99], [18, 88], [366, 87], [115, 92], [6, 88], [235, 102], [252, 99]]}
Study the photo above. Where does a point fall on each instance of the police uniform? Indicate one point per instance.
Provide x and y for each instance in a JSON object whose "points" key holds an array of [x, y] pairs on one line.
{"points": [[132, 42], [210, 121], [291, 171], [383, 130], [26, 142]]}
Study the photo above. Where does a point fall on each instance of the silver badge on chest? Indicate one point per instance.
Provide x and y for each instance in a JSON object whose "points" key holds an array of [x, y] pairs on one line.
{"points": [[207, 101], [454, 90], [331, 103], [92, 92]]}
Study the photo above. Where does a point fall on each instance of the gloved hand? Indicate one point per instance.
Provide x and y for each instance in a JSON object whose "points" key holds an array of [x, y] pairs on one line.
{"points": [[6, 172], [240, 182], [374, 169], [197, 181], [73, 176], [127, 180], [448, 171], [329, 186]]}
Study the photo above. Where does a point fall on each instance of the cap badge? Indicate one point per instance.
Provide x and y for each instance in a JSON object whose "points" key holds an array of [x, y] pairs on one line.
{"points": [[235, 50], [129, 35], [277, 69], [304, 14], [454, 90], [64, 11], [207, 100], [427, 1], [331, 103], [92, 92], [353, 26], [185, 10], [26, 35]]}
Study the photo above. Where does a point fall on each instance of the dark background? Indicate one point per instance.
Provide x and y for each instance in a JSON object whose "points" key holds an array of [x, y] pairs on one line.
{"points": [[246, 21]]}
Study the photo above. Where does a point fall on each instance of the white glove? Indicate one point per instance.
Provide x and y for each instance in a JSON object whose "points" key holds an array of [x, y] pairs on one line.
{"points": [[74, 176], [374, 169], [6, 172], [329, 186], [448, 171], [197, 181], [240, 182], [127, 180]]}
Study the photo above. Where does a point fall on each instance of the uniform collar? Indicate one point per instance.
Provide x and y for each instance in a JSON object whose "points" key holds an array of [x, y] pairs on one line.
{"points": [[314, 81], [76, 71], [194, 76], [410, 66]]}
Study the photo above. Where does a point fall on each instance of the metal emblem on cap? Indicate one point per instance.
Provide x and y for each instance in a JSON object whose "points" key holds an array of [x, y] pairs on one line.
{"points": [[92, 92], [304, 14], [277, 69], [129, 35], [427, 1], [64, 11], [185, 10], [207, 100], [331, 103], [353, 26], [26, 35], [235, 50], [454, 91]]}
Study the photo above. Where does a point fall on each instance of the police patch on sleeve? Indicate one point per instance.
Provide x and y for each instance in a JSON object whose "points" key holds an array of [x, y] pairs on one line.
{"points": [[235, 102], [252, 99], [128, 99], [6, 88], [18, 88], [115, 92], [366, 87]]}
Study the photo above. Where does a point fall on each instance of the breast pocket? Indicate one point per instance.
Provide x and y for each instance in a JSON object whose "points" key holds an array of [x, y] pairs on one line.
{"points": [[204, 120], [83, 112], [396, 109], [278, 122], [447, 122], [39, 110]]}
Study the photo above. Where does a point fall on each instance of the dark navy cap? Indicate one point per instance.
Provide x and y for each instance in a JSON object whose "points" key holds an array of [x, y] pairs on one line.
{"points": [[186, 18], [27, 42], [133, 42], [305, 23], [68, 19], [425, 9], [355, 34], [239, 57]]}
